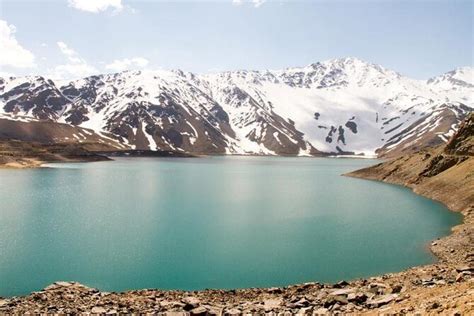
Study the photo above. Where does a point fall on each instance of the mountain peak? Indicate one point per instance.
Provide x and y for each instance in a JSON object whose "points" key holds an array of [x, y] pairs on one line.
{"points": [[461, 76]]}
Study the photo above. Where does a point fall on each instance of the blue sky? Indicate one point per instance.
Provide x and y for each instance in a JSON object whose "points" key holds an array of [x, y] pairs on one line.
{"points": [[72, 38]]}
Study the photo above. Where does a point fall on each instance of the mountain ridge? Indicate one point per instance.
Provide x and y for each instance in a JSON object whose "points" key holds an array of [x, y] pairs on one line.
{"points": [[339, 106]]}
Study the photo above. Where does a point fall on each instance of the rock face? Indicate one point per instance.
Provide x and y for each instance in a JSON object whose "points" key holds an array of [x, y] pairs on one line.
{"points": [[444, 173], [340, 106], [462, 143]]}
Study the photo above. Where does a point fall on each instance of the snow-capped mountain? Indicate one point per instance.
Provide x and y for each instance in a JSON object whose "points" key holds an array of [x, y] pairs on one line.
{"points": [[338, 106]]}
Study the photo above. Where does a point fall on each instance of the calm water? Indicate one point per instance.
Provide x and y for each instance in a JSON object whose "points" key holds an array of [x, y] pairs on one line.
{"points": [[224, 222]]}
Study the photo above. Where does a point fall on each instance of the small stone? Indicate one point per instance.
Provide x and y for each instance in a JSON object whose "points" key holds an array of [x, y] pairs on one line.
{"points": [[340, 299], [335, 307], [377, 288], [233, 311], [63, 283], [98, 310], [304, 311], [460, 277], [272, 303], [381, 300], [335, 300], [50, 287], [340, 284], [434, 305], [212, 310], [357, 297], [397, 288], [344, 292], [302, 303], [427, 282], [198, 311], [321, 311], [275, 290]]}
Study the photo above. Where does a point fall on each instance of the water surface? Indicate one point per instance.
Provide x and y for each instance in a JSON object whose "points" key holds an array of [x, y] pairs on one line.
{"points": [[221, 222]]}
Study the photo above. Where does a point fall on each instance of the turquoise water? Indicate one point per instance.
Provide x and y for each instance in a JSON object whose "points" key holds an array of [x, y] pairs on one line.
{"points": [[221, 222]]}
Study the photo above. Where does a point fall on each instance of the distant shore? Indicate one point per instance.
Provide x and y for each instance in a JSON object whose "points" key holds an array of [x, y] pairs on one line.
{"points": [[15, 154]]}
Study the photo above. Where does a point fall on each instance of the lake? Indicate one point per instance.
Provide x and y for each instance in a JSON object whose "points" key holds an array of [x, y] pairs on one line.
{"points": [[219, 222]]}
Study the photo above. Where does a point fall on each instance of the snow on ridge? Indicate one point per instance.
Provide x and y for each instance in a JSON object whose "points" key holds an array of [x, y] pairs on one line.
{"points": [[340, 104]]}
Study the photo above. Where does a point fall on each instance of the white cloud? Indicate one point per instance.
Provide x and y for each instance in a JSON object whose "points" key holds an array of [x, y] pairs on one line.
{"points": [[71, 55], [124, 64], [6, 74], [11, 52], [72, 71], [76, 68], [96, 6], [256, 3]]}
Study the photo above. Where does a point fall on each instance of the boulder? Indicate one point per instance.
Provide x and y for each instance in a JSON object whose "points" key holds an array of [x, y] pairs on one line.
{"points": [[190, 302]]}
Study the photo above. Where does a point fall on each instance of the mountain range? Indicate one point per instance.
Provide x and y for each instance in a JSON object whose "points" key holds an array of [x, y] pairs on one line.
{"points": [[337, 107]]}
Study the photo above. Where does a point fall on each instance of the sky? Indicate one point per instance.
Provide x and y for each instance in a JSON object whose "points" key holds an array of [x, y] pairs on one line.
{"points": [[65, 39]]}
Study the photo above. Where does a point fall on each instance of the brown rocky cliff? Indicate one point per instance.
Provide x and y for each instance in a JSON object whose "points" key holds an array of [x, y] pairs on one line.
{"points": [[462, 143], [445, 173]]}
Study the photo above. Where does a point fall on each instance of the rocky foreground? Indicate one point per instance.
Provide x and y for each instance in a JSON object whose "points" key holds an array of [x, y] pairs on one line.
{"points": [[432, 289], [447, 287]]}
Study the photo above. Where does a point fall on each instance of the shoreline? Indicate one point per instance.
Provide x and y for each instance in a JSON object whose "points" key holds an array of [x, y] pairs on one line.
{"points": [[467, 216]]}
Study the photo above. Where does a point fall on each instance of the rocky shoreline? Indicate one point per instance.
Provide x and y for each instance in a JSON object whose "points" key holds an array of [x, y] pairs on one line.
{"points": [[17, 154], [446, 287], [431, 289]]}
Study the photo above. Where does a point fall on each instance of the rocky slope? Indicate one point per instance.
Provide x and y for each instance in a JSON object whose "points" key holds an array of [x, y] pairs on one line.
{"points": [[447, 287], [445, 173], [340, 106], [22, 154]]}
